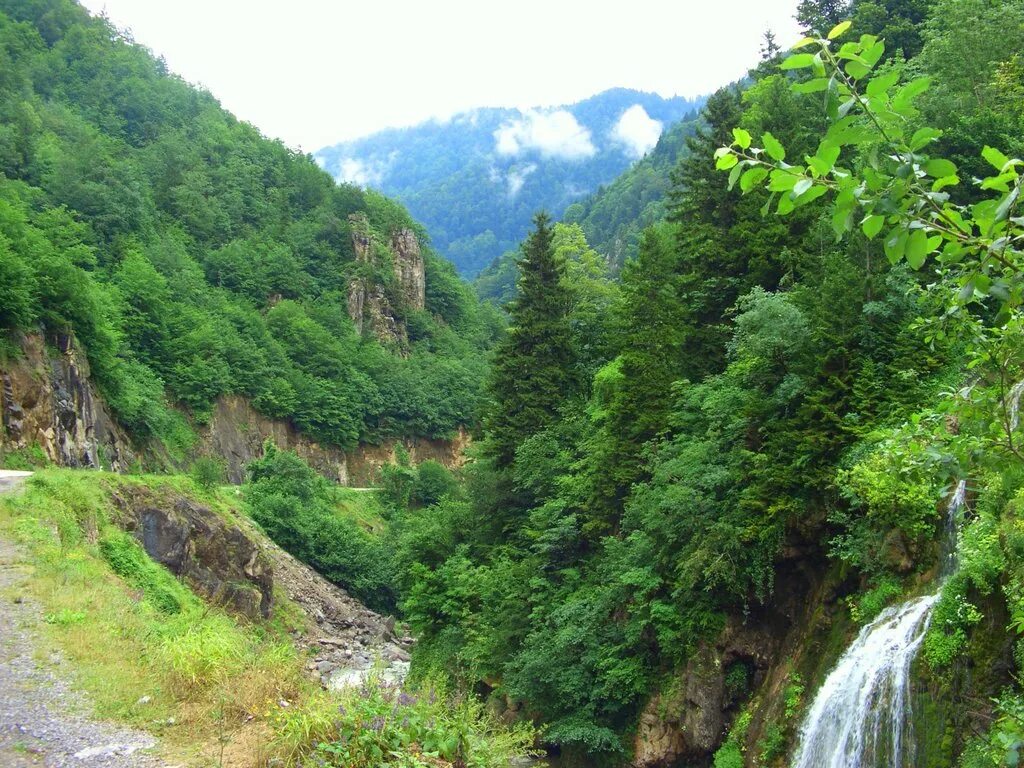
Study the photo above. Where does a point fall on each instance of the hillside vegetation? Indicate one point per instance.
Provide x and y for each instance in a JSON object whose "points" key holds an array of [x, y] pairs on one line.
{"points": [[762, 405], [193, 258]]}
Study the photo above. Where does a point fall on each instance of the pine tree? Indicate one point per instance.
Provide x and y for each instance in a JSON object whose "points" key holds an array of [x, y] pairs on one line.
{"points": [[534, 370]]}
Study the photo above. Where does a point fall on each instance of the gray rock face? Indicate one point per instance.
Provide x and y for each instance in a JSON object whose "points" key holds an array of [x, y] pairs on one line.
{"points": [[215, 558], [409, 268], [47, 400]]}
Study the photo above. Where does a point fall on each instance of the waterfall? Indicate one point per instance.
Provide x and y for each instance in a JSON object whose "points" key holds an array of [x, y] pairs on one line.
{"points": [[861, 717]]}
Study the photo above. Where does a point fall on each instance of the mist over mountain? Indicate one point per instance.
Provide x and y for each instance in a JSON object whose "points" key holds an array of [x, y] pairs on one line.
{"points": [[474, 180]]}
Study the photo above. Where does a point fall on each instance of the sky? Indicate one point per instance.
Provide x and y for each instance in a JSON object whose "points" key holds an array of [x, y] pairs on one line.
{"points": [[316, 72]]}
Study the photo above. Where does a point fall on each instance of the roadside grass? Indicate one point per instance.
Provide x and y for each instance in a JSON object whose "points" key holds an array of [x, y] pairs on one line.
{"points": [[217, 690], [362, 507], [148, 651]]}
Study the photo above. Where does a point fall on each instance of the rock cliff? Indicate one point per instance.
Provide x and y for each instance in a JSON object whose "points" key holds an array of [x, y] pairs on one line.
{"points": [[236, 433], [47, 401], [373, 308]]}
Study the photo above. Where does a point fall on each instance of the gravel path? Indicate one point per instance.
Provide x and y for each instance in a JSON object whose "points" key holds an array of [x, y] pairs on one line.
{"points": [[43, 721]]}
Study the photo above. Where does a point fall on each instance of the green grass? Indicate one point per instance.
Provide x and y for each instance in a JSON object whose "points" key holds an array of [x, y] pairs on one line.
{"points": [[130, 629], [362, 507]]}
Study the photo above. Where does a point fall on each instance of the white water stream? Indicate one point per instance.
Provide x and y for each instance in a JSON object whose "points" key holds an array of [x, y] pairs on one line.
{"points": [[861, 717]]}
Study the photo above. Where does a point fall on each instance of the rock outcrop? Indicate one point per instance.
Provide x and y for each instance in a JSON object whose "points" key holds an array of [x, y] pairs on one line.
{"points": [[236, 433], [216, 558], [48, 401], [409, 269], [688, 720], [48, 404], [373, 307]]}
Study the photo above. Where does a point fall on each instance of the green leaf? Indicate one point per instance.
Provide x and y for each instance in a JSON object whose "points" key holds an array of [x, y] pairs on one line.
{"points": [[786, 205], [945, 181], [872, 53], [882, 83], [798, 61], [839, 29], [1001, 182], [773, 147], [734, 174], [803, 43], [872, 225], [742, 138], [923, 137], [818, 65], [856, 70], [752, 177], [939, 168], [917, 248], [725, 162], [825, 160], [811, 86], [810, 195], [895, 244], [801, 186], [903, 102], [995, 157], [781, 181]]}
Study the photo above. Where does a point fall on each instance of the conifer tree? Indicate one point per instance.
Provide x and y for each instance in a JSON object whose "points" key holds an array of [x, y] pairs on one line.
{"points": [[534, 369]]}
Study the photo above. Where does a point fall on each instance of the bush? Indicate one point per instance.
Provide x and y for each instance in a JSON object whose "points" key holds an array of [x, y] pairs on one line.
{"points": [[295, 507], [433, 483], [207, 472], [379, 724]]}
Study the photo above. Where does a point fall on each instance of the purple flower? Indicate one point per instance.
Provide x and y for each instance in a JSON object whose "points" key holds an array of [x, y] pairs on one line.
{"points": [[377, 724], [406, 700]]}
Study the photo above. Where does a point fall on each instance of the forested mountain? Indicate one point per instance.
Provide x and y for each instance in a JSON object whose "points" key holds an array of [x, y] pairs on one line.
{"points": [[769, 410], [193, 258], [475, 180], [612, 218]]}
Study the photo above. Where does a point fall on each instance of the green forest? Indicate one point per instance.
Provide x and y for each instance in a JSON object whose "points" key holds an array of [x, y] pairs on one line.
{"points": [[192, 258], [720, 409]]}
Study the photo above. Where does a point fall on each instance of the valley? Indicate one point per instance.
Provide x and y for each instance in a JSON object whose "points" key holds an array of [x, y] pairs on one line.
{"points": [[716, 463]]}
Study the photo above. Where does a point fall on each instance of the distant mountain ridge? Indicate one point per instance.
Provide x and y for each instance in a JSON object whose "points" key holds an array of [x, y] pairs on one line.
{"points": [[476, 179]]}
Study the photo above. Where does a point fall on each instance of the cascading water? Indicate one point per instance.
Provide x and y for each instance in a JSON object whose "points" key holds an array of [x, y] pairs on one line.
{"points": [[861, 717]]}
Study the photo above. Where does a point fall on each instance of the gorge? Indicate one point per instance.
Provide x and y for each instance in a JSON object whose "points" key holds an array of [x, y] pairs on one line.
{"points": [[684, 489]]}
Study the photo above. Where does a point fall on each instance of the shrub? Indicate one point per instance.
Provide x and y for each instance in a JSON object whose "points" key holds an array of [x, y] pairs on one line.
{"points": [[380, 724], [207, 472]]}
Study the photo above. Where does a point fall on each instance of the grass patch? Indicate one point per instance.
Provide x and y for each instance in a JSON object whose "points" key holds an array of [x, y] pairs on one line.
{"points": [[217, 690], [131, 630], [361, 507]]}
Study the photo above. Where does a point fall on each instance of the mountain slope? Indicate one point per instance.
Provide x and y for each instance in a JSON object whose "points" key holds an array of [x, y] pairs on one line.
{"points": [[475, 180], [193, 259]]}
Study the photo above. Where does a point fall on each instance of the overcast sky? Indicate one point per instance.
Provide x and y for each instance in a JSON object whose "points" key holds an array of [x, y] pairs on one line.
{"points": [[316, 72]]}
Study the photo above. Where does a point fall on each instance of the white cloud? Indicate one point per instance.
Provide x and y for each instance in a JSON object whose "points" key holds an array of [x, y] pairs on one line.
{"points": [[517, 177], [637, 131], [553, 134], [364, 173]]}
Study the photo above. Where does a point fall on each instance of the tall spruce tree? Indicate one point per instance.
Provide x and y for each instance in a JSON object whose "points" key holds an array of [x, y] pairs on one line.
{"points": [[534, 368]]}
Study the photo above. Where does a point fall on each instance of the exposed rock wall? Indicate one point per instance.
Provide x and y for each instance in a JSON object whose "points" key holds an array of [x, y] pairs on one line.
{"points": [[237, 432], [370, 307], [688, 720], [409, 270], [48, 400], [216, 558]]}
